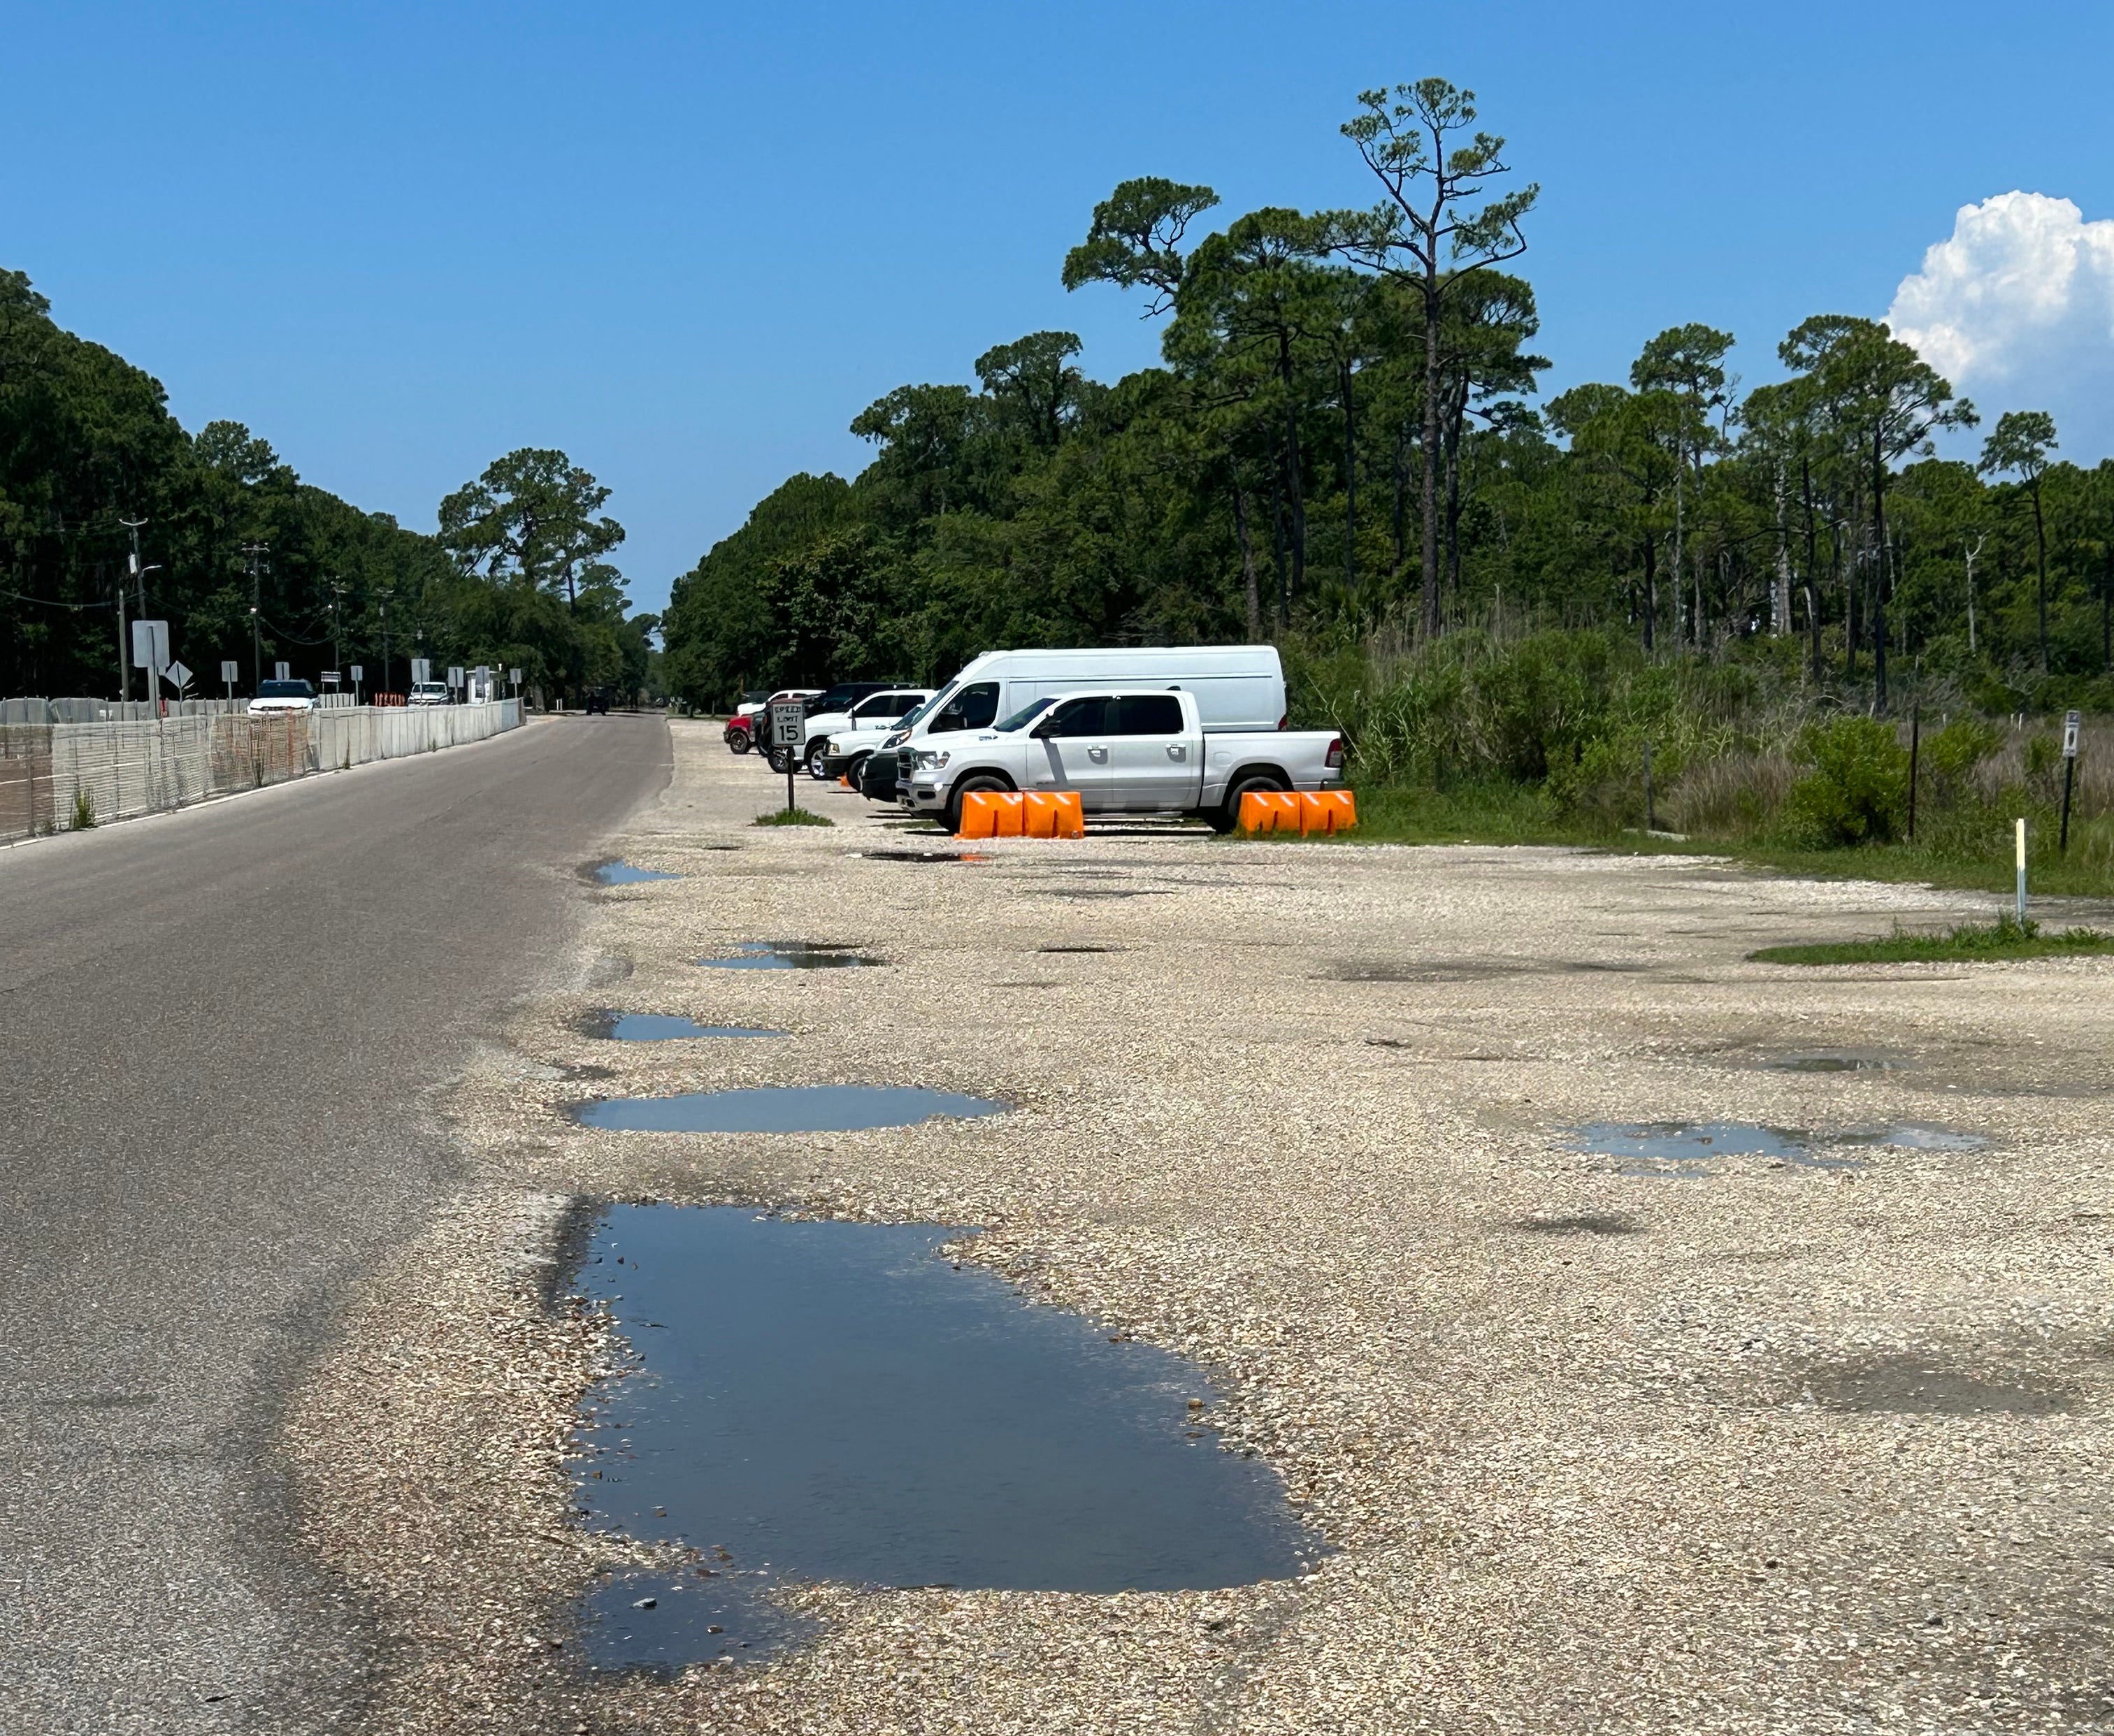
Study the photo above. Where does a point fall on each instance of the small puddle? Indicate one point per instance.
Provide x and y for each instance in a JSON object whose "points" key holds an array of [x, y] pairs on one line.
{"points": [[924, 855], [1836, 1061], [1588, 1224], [829, 1108], [1078, 949], [837, 1401], [659, 1027], [789, 955], [624, 874], [1916, 1136], [1688, 1149]]}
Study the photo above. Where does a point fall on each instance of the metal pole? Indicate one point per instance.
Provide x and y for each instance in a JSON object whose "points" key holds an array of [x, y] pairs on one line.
{"points": [[124, 655], [2071, 723], [1651, 824]]}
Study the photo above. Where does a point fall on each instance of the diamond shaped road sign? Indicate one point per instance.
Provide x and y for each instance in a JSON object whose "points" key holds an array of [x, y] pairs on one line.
{"points": [[177, 676]]}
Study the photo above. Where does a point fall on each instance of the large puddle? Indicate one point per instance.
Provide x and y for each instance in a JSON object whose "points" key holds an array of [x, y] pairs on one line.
{"points": [[825, 1108], [836, 1401], [789, 955], [659, 1027]]}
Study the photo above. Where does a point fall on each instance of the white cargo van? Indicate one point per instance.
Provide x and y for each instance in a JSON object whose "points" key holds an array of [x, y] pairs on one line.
{"points": [[1238, 687]]}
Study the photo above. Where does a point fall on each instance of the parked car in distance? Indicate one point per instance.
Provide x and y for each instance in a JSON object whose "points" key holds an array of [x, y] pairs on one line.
{"points": [[276, 698], [877, 712], [867, 756], [744, 730], [1125, 750], [428, 694], [596, 701]]}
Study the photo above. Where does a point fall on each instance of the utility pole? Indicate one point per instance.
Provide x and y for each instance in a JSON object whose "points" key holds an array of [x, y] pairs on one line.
{"points": [[124, 676], [251, 551], [384, 687], [337, 650]]}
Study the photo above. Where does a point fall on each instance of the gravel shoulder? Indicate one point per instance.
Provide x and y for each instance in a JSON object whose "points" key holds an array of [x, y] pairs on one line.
{"points": [[1777, 1447]]}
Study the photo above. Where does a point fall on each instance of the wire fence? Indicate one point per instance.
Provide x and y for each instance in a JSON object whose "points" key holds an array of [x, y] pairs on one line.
{"points": [[59, 775]]}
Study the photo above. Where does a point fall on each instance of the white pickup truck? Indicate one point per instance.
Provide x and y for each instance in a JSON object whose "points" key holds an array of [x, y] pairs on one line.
{"points": [[1125, 750]]}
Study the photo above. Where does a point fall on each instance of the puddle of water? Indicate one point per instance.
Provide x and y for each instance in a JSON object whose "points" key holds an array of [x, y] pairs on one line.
{"points": [[1916, 1136], [1690, 1150], [1106, 892], [661, 1621], [623, 874], [788, 955], [1078, 949], [833, 1401], [1835, 1061], [828, 1108], [1589, 1223], [1912, 1385], [924, 855], [659, 1027]]}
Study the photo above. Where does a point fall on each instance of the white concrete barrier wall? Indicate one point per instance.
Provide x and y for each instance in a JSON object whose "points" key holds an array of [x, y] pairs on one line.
{"points": [[116, 771]]}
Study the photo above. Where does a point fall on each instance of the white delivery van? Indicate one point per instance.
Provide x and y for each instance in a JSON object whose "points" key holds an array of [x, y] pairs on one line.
{"points": [[1238, 687]]}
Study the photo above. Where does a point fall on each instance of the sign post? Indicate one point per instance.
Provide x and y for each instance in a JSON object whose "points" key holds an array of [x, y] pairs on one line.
{"points": [[177, 677], [2021, 836], [2072, 722], [150, 652], [358, 673], [788, 723], [227, 680], [422, 670], [282, 672]]}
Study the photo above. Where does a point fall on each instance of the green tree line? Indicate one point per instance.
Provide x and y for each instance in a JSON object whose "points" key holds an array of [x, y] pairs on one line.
{"points": [[1345, 439], [247, 563]]}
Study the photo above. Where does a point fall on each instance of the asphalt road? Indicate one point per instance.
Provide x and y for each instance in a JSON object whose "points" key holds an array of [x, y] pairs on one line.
{"points": [[228, 1032]]}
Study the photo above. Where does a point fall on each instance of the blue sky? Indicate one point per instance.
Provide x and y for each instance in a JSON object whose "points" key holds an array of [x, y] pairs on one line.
{"points": [[688, 244]]}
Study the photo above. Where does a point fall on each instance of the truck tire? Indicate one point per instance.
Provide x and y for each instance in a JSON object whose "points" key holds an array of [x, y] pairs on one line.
{"points": [[1228, 815], [974, 781], [816, 754], [781, 761], [855, 772], [738, 741]]}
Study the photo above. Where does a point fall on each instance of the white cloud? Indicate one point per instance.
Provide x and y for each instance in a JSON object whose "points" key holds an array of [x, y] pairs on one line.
{"points": [[2016, 309]]}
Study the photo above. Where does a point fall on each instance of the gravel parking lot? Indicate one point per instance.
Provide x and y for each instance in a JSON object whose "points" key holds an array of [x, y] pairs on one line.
{"points": [[1756, 1444]]}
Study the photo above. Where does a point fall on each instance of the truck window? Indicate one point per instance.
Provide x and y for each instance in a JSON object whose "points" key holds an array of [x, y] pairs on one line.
{"points": [[973, 708], [1145, 713], [1079, 717]]}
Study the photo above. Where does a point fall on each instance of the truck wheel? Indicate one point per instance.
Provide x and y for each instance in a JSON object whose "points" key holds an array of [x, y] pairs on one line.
{"points": [[781, 761], [737, 740], [856, 771], [980, 781], [816, 754], [1226, 817]]}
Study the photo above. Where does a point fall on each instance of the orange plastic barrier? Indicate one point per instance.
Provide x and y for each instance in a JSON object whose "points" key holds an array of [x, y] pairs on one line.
{"points": [[1053, 814], [1329, 810], [1009, 814], [990, 813], [1270, 810], [1314, 811]]}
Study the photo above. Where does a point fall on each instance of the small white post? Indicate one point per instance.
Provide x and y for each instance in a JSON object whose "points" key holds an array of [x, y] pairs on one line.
{"points": [[2022, 872]]}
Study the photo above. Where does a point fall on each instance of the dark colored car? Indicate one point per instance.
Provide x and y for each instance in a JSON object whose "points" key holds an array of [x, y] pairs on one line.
{"points": [[597, 700]]}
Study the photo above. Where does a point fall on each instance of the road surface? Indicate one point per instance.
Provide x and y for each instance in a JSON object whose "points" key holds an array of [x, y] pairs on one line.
{"points": [[227, 1032]]}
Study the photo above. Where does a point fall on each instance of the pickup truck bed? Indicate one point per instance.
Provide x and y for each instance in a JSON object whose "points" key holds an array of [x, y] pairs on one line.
{"points": [[1126, 751]]}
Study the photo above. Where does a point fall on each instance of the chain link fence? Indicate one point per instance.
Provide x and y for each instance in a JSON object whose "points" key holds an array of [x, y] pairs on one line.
{"points": [[58, 774]]}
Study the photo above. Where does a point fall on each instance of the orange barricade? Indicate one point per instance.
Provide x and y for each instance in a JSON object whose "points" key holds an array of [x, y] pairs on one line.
{"points": [[990, 813], [1329, 810], [1009, 814], [1316, 810], [1270, 810], [1053, 814]]}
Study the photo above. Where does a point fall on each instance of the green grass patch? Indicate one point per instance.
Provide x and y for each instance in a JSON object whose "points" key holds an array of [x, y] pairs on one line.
{"points": [[790, 817], [2006, 938]]}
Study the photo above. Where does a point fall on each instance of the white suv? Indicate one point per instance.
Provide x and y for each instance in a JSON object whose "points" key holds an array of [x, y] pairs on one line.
{"points": [[428, 694]]}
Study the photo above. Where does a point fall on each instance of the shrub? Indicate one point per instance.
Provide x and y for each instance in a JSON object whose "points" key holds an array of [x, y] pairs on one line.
{"points": [[84, 809], [1857, 791]]}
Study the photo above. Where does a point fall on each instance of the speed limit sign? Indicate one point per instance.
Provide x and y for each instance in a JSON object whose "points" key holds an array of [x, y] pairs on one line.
{"points": [[788, 723]]}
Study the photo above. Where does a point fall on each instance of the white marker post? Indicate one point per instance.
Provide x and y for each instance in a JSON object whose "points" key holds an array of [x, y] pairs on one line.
{"points": [[358, 673], [2072, 722], [2022, 874]]}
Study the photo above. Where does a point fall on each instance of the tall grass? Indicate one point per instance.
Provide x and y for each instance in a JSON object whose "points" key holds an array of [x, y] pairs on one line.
{"points": [[1546, 734]]}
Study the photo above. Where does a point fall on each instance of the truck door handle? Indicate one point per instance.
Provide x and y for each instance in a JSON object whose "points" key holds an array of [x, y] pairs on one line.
{"points": [[1177, 751], [1099, 756]]}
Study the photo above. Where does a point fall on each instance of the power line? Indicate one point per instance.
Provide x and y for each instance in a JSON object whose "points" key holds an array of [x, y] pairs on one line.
{"points": [[21, 597]]}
